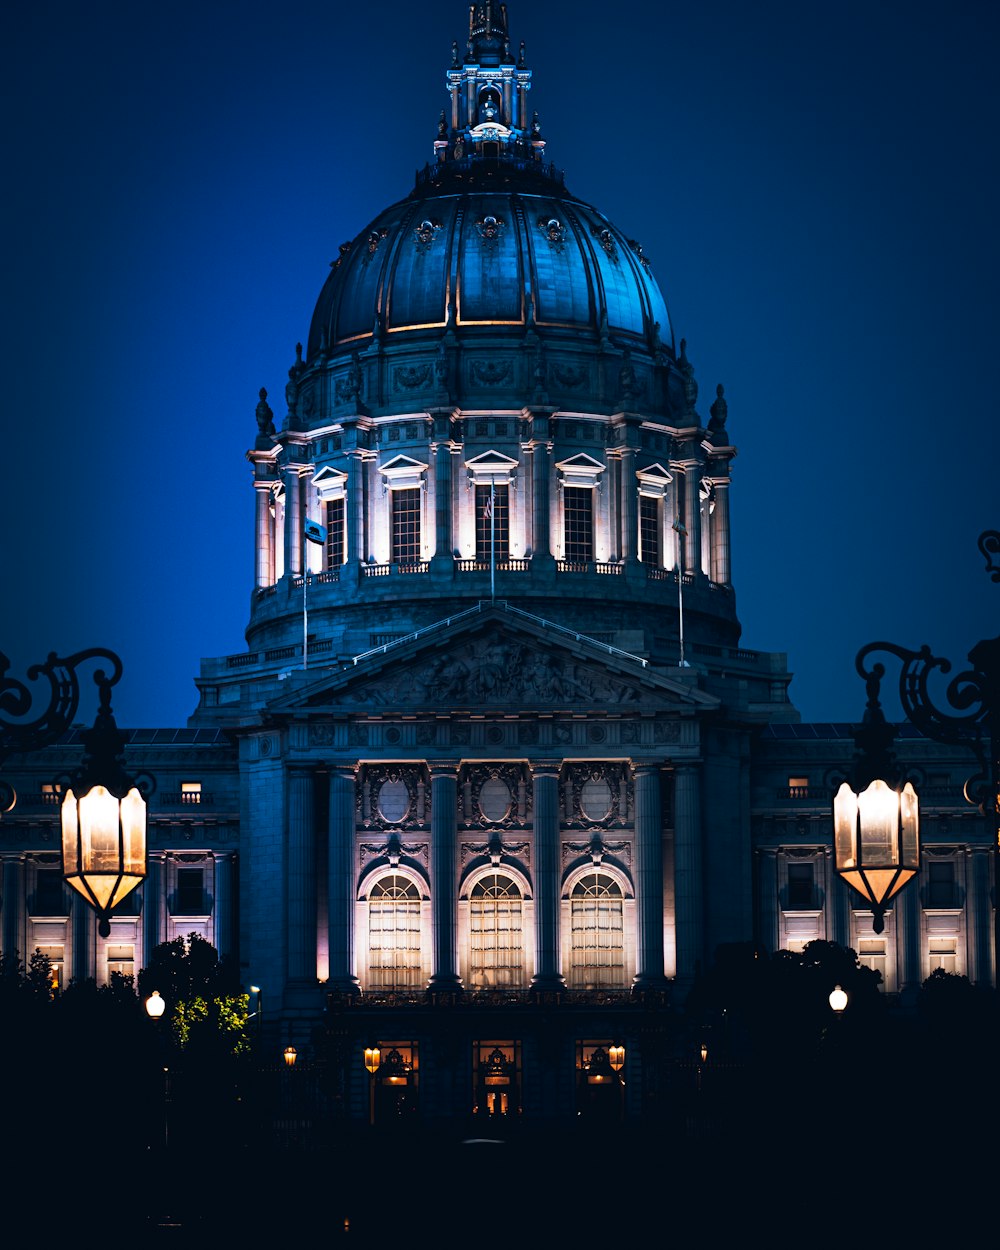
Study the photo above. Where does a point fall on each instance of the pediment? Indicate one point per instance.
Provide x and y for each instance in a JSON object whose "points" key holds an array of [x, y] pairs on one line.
{"points": [[496, 663]]}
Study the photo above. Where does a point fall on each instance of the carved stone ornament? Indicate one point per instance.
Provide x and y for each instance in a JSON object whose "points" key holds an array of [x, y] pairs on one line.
{"points": [[568, 376], [489, 230], [425, 233], [496, 849], [597, 848], [640, 255], [392, 796], [412, 376], [492, 670], [349, 387], [596, 794], [554, 231], [375, 237], [606, 240], [320, 735], [393, 850], [489, 372], [498, 796]]}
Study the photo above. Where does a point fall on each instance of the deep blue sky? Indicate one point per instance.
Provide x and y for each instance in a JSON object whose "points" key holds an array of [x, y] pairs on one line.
{"points": [[815, 185]]}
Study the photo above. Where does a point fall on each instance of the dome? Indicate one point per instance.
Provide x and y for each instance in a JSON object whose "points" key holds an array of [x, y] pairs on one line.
{"points": [[483, 245]]}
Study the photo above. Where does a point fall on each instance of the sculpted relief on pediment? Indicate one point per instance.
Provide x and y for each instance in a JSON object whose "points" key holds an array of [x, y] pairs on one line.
{"points": [[487, 671]]}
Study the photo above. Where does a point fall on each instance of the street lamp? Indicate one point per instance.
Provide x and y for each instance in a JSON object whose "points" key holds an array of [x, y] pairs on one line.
{"points": [[875, 811], [291, 1054], [973, 722], [155, 1005], [837, 1000], [103, 819], [373, 1061]]}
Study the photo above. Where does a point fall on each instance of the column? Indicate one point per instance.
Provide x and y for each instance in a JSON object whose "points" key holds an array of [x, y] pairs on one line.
{"points": [[153, 933], [541, 537], [84, 927], [767, 896], [978, 917], [300, 879], [293, 522], [612, 511], [649, 880], [545, 784], [692, 518], [629, 506], [442, 504], [264, 563], [720, 535], [906, 931], [444, 878], [342, 888], [13, 912], [688, 877], [224, 863]]}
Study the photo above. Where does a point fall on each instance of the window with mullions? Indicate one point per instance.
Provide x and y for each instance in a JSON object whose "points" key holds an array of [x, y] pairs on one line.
{"points": [[190, 897], [498, 524], [334, 533], [495, 954], [578, 524], [394, 935], [597, 922], [649, 530], [406, 526]]}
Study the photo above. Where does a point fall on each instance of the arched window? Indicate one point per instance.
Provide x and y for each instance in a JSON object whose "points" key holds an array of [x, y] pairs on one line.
{"points": [[394, 934], [495, 953], [597, 958]]}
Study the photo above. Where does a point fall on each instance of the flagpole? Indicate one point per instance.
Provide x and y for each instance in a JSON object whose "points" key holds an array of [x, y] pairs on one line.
{"points": [[681, 535]]}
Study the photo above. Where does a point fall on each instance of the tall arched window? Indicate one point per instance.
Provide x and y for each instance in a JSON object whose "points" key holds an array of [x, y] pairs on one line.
{"points": [[394, 934], [495, 953], [598, 937]]}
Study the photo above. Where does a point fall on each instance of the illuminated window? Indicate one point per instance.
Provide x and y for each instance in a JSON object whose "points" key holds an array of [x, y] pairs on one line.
{"points": [[190, 897], [57, 962], [798, 787], [578, 522], [871, 954], [598, 939], [121, 959], [335, 538], [51, 794], [941, 890], [406, 526], [649, 529], [394, 935], [190, 792], [943, 954], [495, 956], [801, 892], [499, 525]]}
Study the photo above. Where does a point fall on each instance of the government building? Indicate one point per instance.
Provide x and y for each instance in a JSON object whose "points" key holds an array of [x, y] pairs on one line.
{"points": [[495, 777]]}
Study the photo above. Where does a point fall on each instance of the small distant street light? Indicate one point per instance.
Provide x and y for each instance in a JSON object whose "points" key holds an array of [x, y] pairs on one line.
{"points": [[837, 1000], [373, 1061], [155, 1006], [616, 1056], [291, 1054], [259, 1013]]}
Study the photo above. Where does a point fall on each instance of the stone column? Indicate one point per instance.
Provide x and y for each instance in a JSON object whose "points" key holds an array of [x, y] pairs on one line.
{"points": [[342, 885], [629, 506], [545, 783], [541, 537], [978, 915], [767, 896], [906, 912], [720, 535], [443, 542], [13, 912], [293, 522], [153, 933], [224, 863], [689, 874], [264, 563], [300, 876], [444, 878], [649, 880], [84, 928], [692, 518]]}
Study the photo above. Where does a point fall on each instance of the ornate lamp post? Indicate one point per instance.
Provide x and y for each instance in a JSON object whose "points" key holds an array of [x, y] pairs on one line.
{"points": [[103, 819], [973, 718], [875, 812], [373, 1061]]}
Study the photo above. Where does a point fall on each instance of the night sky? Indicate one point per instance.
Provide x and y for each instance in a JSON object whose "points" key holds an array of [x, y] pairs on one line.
{"points": [[816, 187]]}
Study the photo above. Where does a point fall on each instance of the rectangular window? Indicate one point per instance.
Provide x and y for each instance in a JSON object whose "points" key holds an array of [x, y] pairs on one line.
{"points": [[190, 892], [871, 954], [941, 883], [57, 962], [943, 954], [649, 530], [50, 897], [121, 959], [798, 787], [578, 521], [190, 792], [801, 896], [335, 544], [406, 526], [51, 794], [498, 524]]}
